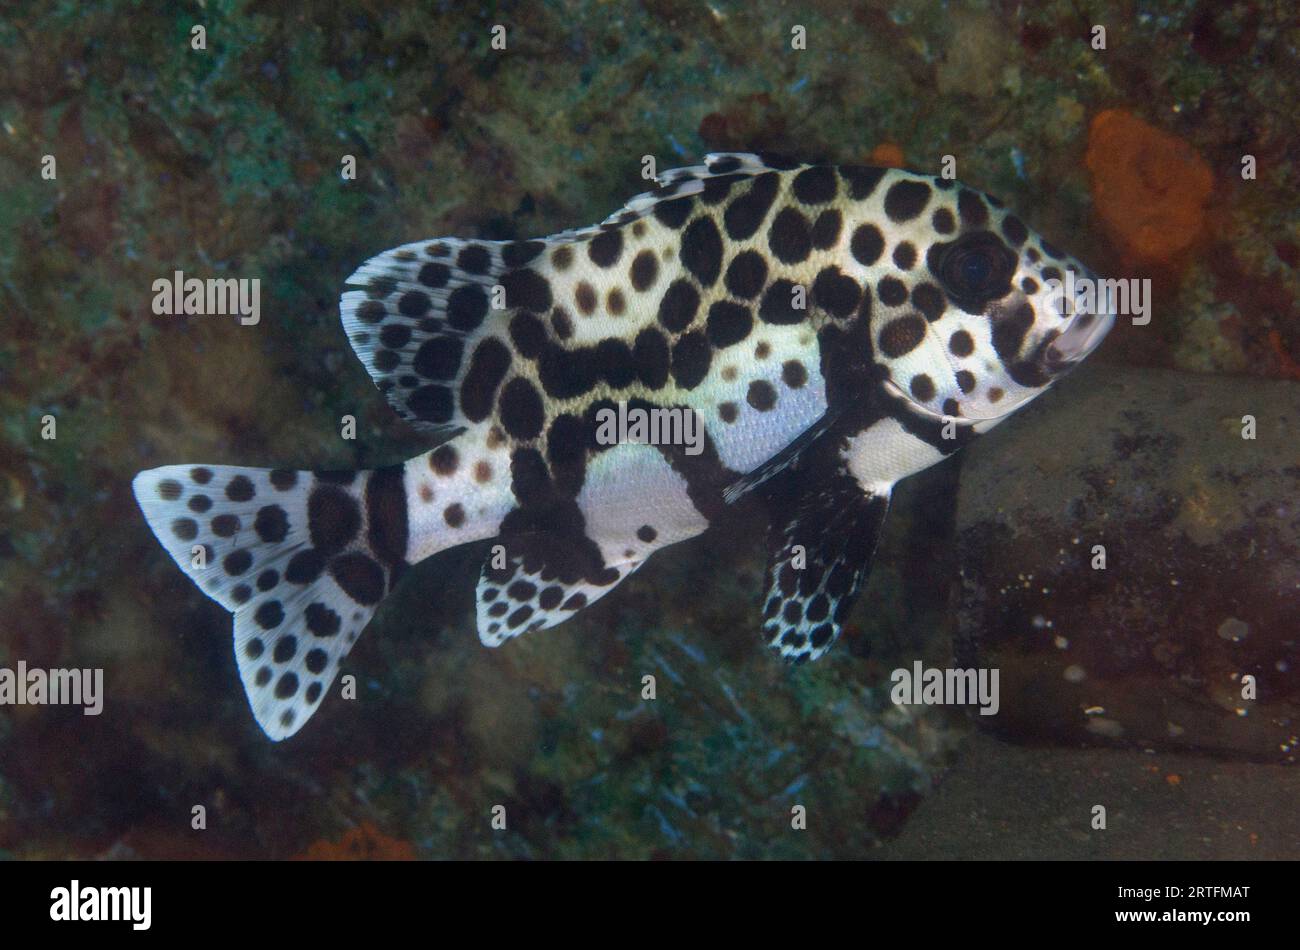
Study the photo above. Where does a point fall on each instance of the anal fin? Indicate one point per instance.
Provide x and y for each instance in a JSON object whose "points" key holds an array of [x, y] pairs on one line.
{"points": [[536, 580]]}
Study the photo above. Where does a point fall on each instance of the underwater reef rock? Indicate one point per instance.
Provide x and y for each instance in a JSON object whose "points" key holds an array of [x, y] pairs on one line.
{"points": [[1200, 533], [1171, 806]]}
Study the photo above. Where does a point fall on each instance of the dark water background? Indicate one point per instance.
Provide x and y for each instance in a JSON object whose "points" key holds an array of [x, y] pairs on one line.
{"points": [[1120, 688]]}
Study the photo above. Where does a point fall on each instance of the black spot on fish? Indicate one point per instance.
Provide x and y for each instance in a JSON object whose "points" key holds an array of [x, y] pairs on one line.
{"points": [[414, 303], [605, 248], [527, 289], [528, 334], [432, 403], [650, 351], [240, 488], [487, 368], [835, 292], [691, 357], [286, 688], [519, 253], [728, 323], [283, 479], [746, 274], [790, 237], [614, 361], [906, 200], [929, 299], [466, 307], [237, 562], [333, 518], [861, 181], [269, 614], [285, 648], [745, 214], [899, 337], [761, 395], [826, 229], [439, 357], [673, 214], [304, 567], [1014, 230], [867, 244], [778, 304], [814, 186], [521, 409], [474, 259], [322, 621], [891, 291], [434, 275], [271, 524], [679, 305], [644, 270], [702, 250], [360, 577]]}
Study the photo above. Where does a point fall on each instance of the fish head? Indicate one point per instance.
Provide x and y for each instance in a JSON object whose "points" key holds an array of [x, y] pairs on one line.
{"points": [[988, 316]]}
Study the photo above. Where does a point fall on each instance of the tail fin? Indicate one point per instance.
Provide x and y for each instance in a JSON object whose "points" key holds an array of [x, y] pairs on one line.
{"points": [[301, 559]]}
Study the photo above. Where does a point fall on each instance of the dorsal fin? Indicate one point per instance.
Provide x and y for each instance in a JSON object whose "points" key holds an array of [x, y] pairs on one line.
{"points": [[417, 314], [688, 180], [725, 163], [400, 312]]}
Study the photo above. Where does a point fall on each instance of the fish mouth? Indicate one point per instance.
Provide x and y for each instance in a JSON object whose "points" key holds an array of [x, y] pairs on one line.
{"points": [[1061, 350], [1085, 331], [1076, 343]]}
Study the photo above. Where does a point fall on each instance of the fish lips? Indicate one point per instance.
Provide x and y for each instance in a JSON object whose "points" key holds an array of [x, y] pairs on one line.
{"points": [[1061, 351], [1083, 334]]}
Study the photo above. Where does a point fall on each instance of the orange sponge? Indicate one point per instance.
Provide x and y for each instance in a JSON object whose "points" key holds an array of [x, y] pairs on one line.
{"points": [[1149, 187], [362, 843], [887, 155]]}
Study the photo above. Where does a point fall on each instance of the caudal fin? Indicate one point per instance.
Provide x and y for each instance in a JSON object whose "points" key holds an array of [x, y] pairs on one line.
{"points": [[301, 559]]}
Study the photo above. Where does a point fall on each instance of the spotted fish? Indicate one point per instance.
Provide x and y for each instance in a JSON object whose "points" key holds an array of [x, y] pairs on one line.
{"points": [[833, 329]]}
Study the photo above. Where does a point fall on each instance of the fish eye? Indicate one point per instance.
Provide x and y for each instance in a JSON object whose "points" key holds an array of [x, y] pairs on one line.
{"points": [[976, 268]]}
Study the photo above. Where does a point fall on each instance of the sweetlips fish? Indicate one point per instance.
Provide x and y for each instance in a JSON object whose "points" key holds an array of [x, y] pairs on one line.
{"points": [[831, 329]]}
